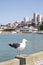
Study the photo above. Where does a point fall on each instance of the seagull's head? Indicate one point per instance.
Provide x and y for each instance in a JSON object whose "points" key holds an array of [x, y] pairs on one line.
{"points": [[25, 40]]}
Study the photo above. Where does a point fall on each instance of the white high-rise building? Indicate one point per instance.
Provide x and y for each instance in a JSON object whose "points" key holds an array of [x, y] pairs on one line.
{"points": [[37, 18], [26, 19]]}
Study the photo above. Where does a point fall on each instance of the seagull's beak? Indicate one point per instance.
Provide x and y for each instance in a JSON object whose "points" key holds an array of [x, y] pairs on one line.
{"points": [[26, 41]]}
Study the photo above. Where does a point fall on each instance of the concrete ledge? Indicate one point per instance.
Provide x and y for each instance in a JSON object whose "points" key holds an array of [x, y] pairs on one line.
{"points": [[10, 62], [33, 59]]}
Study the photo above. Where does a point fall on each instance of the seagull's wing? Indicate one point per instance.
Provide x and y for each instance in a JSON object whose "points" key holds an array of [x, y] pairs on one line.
{"points": [[14, 45]]}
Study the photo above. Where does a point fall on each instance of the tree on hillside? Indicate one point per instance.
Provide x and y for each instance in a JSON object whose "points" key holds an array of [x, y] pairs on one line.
{"points": [[41, 26]]}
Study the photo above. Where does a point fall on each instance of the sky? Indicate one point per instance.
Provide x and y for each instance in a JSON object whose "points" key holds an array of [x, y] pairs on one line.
{"points": [[12, 10]]}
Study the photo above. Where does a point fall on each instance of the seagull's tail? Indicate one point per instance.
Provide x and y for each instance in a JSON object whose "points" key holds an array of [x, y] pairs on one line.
{"points": [[11, 45]]}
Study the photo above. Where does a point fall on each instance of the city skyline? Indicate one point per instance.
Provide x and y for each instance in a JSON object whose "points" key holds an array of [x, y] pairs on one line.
{"points": [[12, 10]]}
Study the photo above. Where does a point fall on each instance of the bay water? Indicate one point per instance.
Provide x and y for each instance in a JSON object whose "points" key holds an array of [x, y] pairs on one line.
{"points": [[35, 44]]}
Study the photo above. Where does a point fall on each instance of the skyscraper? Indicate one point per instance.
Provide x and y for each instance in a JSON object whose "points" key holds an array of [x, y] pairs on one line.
{"points": [[26, 19], [37, 18]]}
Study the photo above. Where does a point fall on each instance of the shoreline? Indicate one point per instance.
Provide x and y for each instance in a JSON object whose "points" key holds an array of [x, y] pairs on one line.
{"points": [[21, 33]]}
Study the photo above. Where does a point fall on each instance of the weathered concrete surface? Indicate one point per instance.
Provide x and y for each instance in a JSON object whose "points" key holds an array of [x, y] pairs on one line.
{"points": [[10, 62], [33, 59]]}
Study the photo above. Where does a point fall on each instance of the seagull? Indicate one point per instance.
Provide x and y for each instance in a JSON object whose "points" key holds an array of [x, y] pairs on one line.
{"points": [[19, 46]]}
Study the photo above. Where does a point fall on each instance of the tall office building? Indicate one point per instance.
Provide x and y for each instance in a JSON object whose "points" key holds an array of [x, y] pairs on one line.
{"points": [[26, 19], [37, 18]]}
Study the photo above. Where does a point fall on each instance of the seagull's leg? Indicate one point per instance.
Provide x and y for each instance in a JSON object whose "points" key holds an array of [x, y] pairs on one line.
{"points": [[21, 52], [18, 52]]}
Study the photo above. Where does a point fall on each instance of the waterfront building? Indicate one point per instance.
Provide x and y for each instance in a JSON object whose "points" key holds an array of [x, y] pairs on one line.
{"points": [[24, 30]]}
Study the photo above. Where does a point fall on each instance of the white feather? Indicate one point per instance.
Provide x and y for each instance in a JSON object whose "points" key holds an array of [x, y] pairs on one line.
{"points": [[22, 45]]}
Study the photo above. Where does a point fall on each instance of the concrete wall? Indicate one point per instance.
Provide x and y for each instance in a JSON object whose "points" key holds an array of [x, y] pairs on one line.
{"points": [[33, 59], [10, 62]]}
